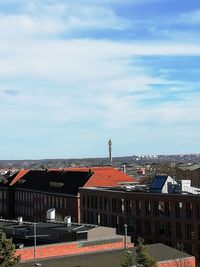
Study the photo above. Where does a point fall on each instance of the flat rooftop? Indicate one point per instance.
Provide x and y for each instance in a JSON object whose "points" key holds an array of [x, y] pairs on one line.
{"points": [[15, 225], [121, 189], [158, 251], [24, 232]]}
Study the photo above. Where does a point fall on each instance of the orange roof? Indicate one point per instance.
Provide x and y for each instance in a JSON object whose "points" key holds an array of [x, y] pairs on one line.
{"points": [[19, 175], [101, 176], [107, 176]]}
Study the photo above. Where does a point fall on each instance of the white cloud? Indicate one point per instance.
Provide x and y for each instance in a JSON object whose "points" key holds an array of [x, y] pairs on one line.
{"points": [[192, 17], [53, 83]]}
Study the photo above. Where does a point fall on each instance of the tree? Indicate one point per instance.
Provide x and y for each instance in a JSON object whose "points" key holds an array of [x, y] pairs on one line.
{"points": [[7, 252], [143, 258], [127, 260]]}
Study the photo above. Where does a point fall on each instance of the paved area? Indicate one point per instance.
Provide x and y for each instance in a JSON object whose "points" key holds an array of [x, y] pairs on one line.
{"points": [[102, 259]]}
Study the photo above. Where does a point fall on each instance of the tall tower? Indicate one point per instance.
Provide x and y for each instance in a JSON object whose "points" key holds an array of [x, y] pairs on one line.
{"points": [[110, 150]]}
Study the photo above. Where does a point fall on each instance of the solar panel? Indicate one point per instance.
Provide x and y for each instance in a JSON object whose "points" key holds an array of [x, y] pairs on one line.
{"points": [[158, 182]]}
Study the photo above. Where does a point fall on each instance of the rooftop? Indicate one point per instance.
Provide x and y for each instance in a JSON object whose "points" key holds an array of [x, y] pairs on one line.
{"points": [[159, 252], [67, 180]]}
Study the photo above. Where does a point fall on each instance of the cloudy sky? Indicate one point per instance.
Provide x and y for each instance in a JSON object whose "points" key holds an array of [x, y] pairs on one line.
{"points": [[75, 72]]}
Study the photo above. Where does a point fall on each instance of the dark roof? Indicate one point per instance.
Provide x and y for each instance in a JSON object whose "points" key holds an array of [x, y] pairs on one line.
{"points": [[161, 252], [105, 259], [158, 182], [11, 225], [67, 180], [62, 181]]}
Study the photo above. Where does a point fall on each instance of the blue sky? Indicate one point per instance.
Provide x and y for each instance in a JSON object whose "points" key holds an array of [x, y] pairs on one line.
{"points": [[75, 72]]}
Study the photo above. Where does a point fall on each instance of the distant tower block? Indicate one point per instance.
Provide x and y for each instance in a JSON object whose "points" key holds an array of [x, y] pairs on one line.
{"points": [[110, 150]]}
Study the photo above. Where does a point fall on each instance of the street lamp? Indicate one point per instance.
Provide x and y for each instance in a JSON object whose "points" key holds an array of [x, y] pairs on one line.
{"points": [[125, 235]]}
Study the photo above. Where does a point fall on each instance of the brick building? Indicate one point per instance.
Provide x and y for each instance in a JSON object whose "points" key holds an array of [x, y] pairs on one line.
{"points": [[169, 218], [110, 255], [30, 193]]}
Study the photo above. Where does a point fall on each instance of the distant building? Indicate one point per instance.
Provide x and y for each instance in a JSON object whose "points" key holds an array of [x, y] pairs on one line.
{"points": [[30, 193], [166, 184]]}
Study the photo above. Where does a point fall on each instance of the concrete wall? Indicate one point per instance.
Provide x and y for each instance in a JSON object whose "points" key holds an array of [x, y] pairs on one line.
{"points": [[101, 232]]}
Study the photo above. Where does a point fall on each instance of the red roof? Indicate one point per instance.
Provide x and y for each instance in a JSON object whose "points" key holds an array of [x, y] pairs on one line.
{"points": [[107, 176], [101, 176], [19, 175]]}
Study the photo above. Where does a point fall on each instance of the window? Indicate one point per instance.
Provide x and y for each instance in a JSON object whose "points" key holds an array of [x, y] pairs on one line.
{"points": [[147, 208], [160, 228], [178, 230], [95, 202], [88, 201], [105, 203], [138, 226], [60, 203], [92, 202], [100, 203], [45, 200], [189, 231], [156, 209], [113, 221], [147, 227], [128, 206], [161, 208], [168, 229], [57, 201], [197, 211], [56, 184], [65, 203], [114, 205], [83, 198], [167, 209], [178, 207], [138, 207], [189, 210]]}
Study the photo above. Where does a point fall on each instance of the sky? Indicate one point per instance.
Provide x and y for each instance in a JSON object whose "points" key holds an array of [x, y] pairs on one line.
{"points": [[75, 72]]}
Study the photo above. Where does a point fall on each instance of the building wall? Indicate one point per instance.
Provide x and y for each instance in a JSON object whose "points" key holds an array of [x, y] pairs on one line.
{"points": [[66, 249], [188, 262], [159, 218], [3, 202], [101, 232], [33, 205]]}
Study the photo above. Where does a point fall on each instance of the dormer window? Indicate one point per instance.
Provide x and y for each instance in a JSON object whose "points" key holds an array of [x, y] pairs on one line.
{"points": [[21, 181], [56, 184]]}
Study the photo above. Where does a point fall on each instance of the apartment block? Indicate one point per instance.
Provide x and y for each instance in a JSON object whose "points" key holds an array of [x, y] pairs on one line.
{"points": [[170, 218]]}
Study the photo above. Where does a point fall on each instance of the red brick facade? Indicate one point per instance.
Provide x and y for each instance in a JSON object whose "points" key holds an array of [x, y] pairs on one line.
{"points": [[52, 188], [66, 249], [173, 220], [188, 262]]}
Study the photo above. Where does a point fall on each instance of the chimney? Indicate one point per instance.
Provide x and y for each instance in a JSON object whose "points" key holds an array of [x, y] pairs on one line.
{"points": [[20, 220], [67, 221], [51, 215]]}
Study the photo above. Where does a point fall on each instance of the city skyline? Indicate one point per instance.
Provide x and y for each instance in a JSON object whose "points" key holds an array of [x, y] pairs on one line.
{"points": [[74, 73]]}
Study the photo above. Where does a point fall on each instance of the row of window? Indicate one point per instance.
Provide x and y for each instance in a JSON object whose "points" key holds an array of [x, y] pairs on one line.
{"points": [[138, 207], [143, 226], [3, 194], [40, 200]]}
